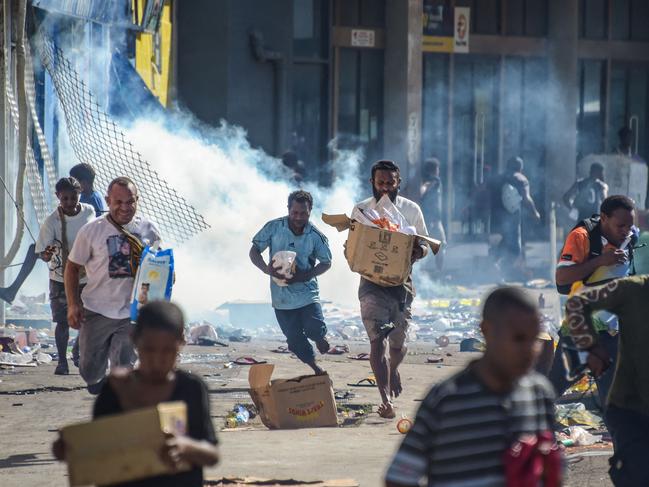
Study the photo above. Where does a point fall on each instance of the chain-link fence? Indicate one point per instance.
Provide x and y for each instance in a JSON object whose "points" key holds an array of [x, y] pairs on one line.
{"points": [[96, 139]]}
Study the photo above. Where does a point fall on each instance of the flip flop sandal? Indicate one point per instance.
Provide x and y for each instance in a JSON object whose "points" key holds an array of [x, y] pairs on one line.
{"points": [[344, 395], [249, 361], [338, 350], [360, 356], [367, 382], [435, 360], [281, 349]]}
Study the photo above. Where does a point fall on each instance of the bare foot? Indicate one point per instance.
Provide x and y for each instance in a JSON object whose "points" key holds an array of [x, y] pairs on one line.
{"points": [[323, 345], [395, 383], [386, 410]]}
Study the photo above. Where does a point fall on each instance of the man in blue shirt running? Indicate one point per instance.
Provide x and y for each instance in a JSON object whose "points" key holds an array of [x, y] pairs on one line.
{"points": [[85, 174], [297, 305]]}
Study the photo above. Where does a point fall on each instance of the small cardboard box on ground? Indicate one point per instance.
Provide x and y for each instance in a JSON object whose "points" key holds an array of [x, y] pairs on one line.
{"points": [[122, 447], [378, 255], [302, 402]]}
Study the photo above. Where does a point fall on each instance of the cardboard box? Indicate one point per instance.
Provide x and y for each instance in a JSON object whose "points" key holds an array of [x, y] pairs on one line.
{"points": [[378, 255], [122, 447], [302, 402]]}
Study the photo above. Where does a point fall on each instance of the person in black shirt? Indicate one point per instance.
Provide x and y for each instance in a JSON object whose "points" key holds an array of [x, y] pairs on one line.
{"points": [[158, 338]]}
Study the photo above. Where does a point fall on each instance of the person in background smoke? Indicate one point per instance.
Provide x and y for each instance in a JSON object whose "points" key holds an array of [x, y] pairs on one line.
{"points": [[55, 240], [512, 196], [385, 311], [586, 194], [85, 174], [297, 305], [625, 145], [102, 315], [431, 205], [294, 165]]}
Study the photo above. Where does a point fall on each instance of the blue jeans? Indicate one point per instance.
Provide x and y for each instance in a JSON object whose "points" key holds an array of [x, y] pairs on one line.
{"points": [[558, 372], [301, 325], [630, 432]]}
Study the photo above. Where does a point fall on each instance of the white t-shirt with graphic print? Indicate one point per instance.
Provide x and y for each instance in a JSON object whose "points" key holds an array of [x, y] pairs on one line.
{"points": [[50, 235], [105, 253]]}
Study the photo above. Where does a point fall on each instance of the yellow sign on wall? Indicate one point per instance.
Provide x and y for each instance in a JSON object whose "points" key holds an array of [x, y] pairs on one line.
{"points": [[153, 54], [437, 44]]}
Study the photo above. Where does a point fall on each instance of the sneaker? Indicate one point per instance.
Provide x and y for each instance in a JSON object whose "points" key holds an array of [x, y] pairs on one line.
{"points": [[62, 369], [95, 389]]}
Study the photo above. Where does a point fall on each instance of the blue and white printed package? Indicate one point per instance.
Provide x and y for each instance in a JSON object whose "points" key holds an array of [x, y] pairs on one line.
{"points": [[154, 278]]}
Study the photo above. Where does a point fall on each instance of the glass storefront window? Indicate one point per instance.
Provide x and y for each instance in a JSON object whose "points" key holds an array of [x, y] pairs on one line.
{"points": [[639, 20], [362, 13], [310, 28], [590, 120], [593, 19]]}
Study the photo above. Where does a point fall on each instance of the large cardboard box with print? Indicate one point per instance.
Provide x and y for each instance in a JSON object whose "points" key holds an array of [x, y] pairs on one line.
{"points": [[301, 402], [380, 256], [122, 447]]}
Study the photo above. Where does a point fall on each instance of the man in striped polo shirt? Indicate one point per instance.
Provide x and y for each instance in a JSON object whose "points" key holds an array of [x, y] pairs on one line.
{"points": [[468, 423]]}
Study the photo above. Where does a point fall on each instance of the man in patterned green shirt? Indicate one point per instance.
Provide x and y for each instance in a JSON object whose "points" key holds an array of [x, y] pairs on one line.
{"points": [[627, 412]]}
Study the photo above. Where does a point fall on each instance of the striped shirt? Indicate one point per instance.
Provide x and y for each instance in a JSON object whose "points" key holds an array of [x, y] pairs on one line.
{"points": [[463, 429]]}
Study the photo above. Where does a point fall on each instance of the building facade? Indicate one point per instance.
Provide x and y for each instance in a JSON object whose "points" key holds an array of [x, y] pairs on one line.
{"points": [[550, 81]]}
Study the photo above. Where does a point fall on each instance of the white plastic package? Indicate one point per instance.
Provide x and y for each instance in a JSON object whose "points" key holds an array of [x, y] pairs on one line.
{"points": [[285, 260], [154, 278], [384, 209]]}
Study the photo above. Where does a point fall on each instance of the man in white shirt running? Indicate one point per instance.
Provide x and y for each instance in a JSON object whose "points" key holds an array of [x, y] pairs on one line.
{"points": [[385, 311], [109, 248]]}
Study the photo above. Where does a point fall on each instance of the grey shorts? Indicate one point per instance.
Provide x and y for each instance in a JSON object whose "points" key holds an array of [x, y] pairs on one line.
{"points": [[101, 340], [383, 317]]}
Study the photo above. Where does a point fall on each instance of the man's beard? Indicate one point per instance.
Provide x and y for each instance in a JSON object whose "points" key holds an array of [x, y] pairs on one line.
{"points": [[391, 194]]}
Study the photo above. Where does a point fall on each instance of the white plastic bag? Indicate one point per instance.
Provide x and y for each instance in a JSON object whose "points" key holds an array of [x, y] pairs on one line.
{"points": [[384, 209], [285, 260]]}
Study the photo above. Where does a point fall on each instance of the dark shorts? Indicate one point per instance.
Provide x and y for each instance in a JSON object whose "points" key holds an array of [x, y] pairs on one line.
{"points": [[58, 301]]}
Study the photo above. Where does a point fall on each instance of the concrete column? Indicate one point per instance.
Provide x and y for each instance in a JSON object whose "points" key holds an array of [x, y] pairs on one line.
{"points": [[563, 96], [403, 88]]}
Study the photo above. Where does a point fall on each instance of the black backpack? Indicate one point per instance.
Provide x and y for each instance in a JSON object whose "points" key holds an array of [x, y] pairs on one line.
{"points": [[594, 230]]}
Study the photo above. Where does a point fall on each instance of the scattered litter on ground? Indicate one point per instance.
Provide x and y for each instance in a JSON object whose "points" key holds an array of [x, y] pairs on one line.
{"points": [[404, 425], [248, 481], [578, 436], [352, 414], [471, 345], [360, 356], [576, 414], [240, 414]]}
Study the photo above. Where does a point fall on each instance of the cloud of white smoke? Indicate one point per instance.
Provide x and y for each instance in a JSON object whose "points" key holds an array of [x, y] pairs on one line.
{"points": [[227, 181]]}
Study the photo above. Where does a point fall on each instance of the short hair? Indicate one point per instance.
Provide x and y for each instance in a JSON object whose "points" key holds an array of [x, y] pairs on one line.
{"points": [[161, 316], [504, 298], [290, 159], [83, 172], [624, 131], [515, 164], [385, 165], [432, 163], [122, 181], [67, 184], [301, 196], [596, 167], [616, 202], [430, 166]]}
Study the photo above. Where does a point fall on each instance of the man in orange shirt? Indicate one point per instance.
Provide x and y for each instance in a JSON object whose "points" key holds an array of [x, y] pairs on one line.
{"points": [[598, 250]]}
